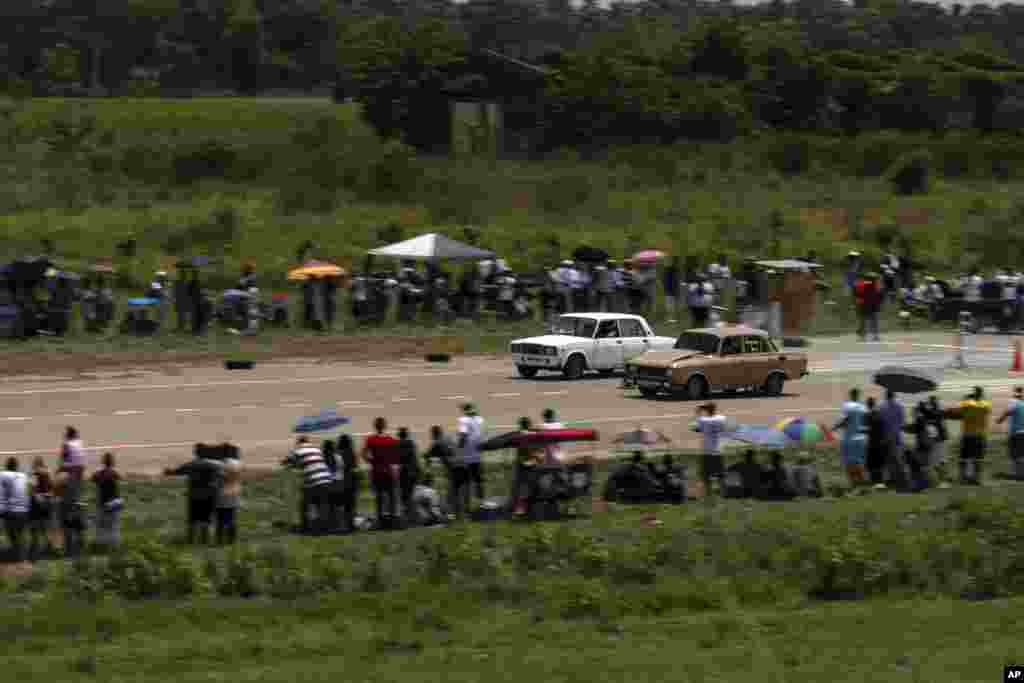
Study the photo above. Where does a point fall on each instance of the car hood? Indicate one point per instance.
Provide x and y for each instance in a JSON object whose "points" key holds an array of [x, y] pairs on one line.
{"points": [[666, 358], [552, 340]]}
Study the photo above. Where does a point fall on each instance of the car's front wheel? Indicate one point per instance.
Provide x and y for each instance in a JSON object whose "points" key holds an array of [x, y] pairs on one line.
{"points": [[574, 368], [526, 371], [696, 388]]}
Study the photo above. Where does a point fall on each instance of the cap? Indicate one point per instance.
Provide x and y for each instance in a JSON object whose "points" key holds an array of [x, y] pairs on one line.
{"points": [[567, 262], [468, 408]]}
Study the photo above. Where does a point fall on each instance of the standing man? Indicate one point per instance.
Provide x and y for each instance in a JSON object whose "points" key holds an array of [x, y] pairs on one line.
{"points": [[711, 425], [316, 483], [442, 450], [1015, 413], [182, 309], [15, 497], [552, 452], [381, 453], [853, 447], [409, 472], [974, 412], [670, 281], [204, 483], [471, 429], [893, 417]]}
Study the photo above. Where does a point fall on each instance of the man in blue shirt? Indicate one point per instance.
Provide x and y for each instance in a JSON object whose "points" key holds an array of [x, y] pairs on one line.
{"points": [[853, 447], [1015, 413], [892, 414]]}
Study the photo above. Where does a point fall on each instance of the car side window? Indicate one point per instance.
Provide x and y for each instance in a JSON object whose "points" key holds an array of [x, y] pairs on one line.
{"points": [[731, 346], [754, 345], [607, 330], [631, 328]]}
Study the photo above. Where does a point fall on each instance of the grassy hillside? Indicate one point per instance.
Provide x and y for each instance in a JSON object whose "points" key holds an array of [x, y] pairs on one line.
{"points": [[136, 177]]}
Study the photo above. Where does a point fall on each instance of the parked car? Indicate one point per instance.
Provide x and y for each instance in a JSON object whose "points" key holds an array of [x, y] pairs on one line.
{"points": [[717, 359], [579, 342]]}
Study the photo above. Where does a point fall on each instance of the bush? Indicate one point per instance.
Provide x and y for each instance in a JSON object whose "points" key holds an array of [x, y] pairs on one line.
{"points": [[909, 174], [792, 156]]}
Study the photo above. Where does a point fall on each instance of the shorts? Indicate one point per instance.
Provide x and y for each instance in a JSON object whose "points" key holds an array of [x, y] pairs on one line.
{"points": [[200, 511], [972, 447], [711, 466], [1017, 446]]}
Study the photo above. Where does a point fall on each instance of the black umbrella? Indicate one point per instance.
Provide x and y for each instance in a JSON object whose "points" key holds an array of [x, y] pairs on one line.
{"points": [[590, 255], [905, 380]]}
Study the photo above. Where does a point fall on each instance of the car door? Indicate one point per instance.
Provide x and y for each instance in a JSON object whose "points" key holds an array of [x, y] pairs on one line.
{"points": [[634, 338], [760, 359], [725, 370], [608, 347]]}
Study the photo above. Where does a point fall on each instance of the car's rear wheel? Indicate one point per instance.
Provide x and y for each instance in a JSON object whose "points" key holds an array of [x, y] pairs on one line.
{"points": [[574, 368], [696, 388], [774, 384], [526, 371], [648, 392]]}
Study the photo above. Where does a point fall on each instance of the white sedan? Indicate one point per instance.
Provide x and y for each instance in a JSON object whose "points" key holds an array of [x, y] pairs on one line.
{"points": [[580, 342]]}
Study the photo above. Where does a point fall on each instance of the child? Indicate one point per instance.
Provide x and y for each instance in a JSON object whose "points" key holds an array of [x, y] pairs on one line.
{"points": [[108, 501]]}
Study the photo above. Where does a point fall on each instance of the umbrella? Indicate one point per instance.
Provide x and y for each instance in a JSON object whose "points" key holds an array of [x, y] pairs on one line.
{"points": [[316, 269], [802, 430], [143, 301], [905, 380], [648, 256], [236, 294], [325, 421], [538, 438], [758, 435], [590, 255]]}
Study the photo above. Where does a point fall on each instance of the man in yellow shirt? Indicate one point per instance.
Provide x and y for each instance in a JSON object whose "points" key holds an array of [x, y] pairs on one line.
{"points": [[976, 414]]}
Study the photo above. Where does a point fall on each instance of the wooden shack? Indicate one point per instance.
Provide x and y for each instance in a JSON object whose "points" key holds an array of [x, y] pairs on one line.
{"points": [[793, 284]]}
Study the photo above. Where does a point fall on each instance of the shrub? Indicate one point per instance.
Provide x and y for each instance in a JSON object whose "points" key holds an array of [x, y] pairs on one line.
{"points": [[566, 192], [792, 156], [909, 174]]}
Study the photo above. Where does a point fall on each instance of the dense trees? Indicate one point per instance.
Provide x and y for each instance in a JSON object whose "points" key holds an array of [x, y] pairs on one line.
{"points": [[654, 71]]}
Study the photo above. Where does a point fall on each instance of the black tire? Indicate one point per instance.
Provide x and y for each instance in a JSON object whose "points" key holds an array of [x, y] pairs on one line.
{"points": [[774, 385], [607, 373], [238, 365], [696, 388], [648, 392], [438, 357], [574, 368], [526, 371]]}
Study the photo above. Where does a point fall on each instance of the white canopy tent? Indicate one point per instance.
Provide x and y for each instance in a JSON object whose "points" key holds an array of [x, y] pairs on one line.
{"points": [[432, 247]]}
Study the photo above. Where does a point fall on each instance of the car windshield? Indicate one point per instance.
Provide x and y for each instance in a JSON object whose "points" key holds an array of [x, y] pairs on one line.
{"points": [[575, 327], [697, 341]]}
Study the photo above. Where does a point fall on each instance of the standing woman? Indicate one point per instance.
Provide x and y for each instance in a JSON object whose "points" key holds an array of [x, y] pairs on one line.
{"points": [[108, 503], [876, 443], [853, 445], [229, 498], [40, 516]]}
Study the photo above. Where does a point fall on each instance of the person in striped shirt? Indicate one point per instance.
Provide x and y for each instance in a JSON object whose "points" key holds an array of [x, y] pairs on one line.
{"points": [[316, 482]]}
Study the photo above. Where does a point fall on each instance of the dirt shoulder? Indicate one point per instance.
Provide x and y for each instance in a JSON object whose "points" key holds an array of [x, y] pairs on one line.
{"points": [[349, 348]]}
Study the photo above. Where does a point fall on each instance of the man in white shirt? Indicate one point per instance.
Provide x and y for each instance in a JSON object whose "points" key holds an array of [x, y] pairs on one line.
{"points": [[15, 495], [471, 429], [972, 287], [552, 452], [711, 425]]}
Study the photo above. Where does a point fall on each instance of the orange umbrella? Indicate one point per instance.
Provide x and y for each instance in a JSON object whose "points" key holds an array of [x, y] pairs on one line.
{"points": [[316, 269]]}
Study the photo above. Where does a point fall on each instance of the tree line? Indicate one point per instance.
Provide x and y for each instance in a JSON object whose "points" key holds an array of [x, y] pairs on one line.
{"points": [[654, 71]]}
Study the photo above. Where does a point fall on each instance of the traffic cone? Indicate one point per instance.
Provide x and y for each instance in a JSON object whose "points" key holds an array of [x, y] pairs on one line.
{"points": [[1016, 358]]}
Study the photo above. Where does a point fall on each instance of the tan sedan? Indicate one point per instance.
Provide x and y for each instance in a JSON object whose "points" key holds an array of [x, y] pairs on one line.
{"points": [[727, 358]]}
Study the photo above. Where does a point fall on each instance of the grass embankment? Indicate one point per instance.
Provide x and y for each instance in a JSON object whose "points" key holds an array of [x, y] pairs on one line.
{"points": [[714, 593]]}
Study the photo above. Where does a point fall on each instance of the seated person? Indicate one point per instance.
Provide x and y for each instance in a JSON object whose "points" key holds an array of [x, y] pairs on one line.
{"points": [[426, 502], [806, 482], [671, 478], [731, 346], [743, 479], [777, 483], [633, 482], [608, 329]]}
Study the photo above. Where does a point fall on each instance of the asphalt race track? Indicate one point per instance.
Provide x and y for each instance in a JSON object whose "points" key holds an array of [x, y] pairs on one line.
{"points": [[152, 418]]}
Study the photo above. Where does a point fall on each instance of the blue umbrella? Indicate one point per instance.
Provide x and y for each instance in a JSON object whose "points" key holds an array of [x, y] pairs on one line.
{"points": [[758, 435], [324, 422], [143, 301]]}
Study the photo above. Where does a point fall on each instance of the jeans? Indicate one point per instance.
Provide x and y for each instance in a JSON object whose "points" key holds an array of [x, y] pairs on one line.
{"points": [[475, 475], [387, 502], [868, 324], [227, 529], [108, 527], [458, 490]]}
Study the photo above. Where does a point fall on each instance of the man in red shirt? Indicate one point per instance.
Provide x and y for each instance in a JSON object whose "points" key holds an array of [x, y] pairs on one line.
{"points": [[868, 296], [381, 454]]}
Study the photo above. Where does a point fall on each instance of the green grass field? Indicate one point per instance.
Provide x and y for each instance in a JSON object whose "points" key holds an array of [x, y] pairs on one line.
{"points": [[884, 587]]}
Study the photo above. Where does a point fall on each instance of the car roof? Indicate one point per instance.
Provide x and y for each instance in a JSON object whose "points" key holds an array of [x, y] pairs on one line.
{"points": [[731, 331], [602, 316]]}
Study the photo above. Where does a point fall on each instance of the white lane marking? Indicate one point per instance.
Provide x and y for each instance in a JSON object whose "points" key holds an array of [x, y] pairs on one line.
{"points": [[349, 403], [554, 393], [402, 399], [245, 382], [454, 398], [17, 419], [510, 395], [121, 413], [187, 410], [246, 406], [289, 405], [75, 415]]}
